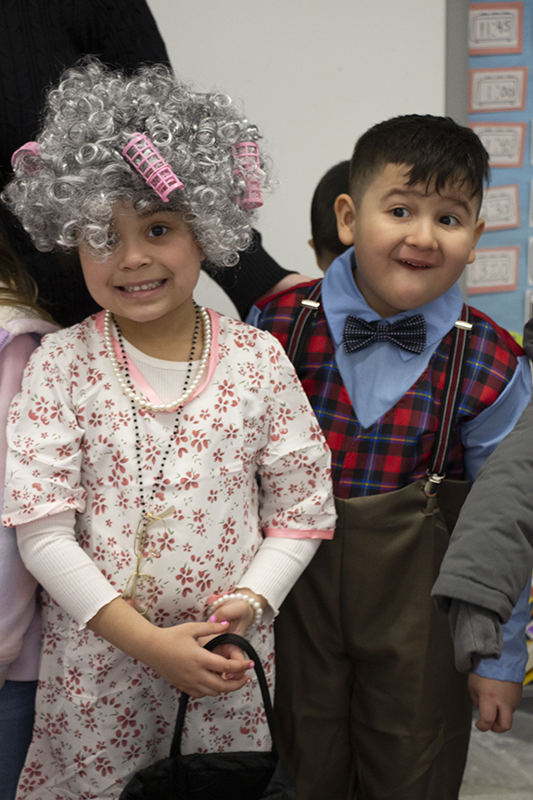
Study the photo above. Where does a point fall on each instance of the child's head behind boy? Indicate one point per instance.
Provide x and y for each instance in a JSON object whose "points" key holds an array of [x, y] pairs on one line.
{"points": [[325, 239], [416, 185]]}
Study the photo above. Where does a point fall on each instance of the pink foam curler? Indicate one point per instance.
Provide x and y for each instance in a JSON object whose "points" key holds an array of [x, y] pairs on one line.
{"points": [[246, 155], [29, 147], [148, 161]]}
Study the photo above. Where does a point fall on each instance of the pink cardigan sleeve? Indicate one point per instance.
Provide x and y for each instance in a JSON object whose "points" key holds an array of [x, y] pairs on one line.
{"points": [[19, 617]]}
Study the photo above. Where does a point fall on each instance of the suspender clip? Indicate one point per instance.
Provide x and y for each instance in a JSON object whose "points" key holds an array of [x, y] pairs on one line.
{"points": [[310, 303], [433, 482]]}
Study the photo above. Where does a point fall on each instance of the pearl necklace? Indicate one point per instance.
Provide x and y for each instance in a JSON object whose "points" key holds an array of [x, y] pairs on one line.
{"points": [[123, 377]]}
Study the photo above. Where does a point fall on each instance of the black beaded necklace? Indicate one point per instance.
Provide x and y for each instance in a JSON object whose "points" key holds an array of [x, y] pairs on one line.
{"points": [[147, 518]]}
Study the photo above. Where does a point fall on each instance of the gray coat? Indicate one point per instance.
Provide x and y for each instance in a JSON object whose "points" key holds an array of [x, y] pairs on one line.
{"points": [[490, 556]]}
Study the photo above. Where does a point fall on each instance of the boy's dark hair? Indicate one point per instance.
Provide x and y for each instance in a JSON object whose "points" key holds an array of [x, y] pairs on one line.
{"points": [[336, 181], [435, 148]]}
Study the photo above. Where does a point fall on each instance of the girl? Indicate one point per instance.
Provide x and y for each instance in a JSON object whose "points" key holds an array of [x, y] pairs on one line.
{"points": [[154, 445], [22, 324]]}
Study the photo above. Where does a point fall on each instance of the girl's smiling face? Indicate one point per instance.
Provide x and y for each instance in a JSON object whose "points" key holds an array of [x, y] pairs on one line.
{"points": [[148, 281]]}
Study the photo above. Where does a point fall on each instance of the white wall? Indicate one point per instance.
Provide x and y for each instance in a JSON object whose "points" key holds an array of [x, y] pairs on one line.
{"points": [[313, 75]]}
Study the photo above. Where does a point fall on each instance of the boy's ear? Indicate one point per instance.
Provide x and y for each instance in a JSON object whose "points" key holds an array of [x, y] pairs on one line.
{"points": [[345, 213], [478, 230]]}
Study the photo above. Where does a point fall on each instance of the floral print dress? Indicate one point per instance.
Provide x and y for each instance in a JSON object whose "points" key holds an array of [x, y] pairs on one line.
{"points": [[249, 461]]}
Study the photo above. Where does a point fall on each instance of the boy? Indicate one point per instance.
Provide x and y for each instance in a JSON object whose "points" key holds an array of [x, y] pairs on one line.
{"points": [[367, 692]]}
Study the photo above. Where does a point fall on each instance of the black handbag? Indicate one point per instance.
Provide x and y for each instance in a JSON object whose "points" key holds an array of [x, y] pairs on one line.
{"points": [[215, 776]]}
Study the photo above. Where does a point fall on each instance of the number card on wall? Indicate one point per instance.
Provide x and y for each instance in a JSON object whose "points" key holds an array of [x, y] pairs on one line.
{"points": [[494, 270], [495, 28], [500, 208], [497, 89], [504, 141]]}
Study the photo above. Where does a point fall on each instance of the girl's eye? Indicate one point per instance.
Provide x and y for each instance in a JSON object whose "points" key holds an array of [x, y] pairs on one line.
{"points": [[447, 219], [400, 212], [112, 237], [158, 230]]}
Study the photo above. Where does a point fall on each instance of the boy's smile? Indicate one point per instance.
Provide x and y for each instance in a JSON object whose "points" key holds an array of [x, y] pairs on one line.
{"points": [[148, 281], [411, 243]]}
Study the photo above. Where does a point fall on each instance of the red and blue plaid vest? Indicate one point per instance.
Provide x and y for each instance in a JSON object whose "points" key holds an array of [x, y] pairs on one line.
{"points": [[396, 450]]}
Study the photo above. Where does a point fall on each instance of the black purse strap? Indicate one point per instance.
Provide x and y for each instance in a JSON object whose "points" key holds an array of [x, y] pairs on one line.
{"points": [[228, 638]]}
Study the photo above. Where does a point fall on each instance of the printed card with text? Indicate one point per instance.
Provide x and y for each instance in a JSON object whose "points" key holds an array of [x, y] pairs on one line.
{"points": [[494, 270], [504, 141], [495, 28], [500, 208], [497, 89]]}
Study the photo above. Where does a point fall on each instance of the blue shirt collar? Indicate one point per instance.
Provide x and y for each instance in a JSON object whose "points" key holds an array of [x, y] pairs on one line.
{"points": [[341, 297]]}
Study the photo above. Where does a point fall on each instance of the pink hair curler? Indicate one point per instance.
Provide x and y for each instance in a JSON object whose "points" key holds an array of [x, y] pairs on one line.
{"points": [[31, 148], [148, 161], [246, 155]]}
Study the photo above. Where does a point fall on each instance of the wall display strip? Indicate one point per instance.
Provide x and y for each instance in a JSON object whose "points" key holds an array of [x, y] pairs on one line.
{"points": [[501, 111]]}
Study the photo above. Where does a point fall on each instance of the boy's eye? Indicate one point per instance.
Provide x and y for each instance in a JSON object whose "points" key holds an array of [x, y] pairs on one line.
{"points": [[447, 219], [158, 230], [400, 212]]}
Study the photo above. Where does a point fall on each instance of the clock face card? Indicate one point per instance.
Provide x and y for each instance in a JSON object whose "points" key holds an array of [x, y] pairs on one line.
{"points": [[494, 270], [495, 28], [497, 89], [504, 142]]}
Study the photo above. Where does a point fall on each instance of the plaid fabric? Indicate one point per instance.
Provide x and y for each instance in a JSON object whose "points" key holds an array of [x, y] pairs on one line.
{"points": [[396, 450]]}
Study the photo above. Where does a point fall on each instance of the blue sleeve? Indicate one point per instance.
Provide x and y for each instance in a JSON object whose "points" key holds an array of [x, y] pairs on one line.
{"points": [[480, 437], [483, 434], [512, 664], [252, 317]]}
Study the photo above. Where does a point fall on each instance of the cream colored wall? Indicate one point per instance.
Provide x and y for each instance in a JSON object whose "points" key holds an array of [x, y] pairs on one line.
{"points": [[313, 75]]}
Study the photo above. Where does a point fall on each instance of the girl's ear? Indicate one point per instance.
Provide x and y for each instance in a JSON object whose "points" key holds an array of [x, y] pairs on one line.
{"points": [[203, 256], [345, 213]]}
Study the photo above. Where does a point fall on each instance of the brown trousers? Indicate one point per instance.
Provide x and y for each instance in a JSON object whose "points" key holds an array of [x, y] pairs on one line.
{"points": [[367, 696]]}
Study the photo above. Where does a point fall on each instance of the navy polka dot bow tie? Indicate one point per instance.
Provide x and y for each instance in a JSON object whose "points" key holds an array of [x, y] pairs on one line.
{"points": [[409, 334]]}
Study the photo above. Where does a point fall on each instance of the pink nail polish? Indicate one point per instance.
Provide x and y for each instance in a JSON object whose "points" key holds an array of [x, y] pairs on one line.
{"points": [[224, 623], [212, 618], [230, 677], [252, 665]]}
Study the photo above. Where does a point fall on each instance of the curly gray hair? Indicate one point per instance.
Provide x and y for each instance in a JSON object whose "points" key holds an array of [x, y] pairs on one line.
{"points": [[65, 195]]}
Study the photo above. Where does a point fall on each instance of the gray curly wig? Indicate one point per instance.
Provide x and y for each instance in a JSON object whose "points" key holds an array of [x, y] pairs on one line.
{"points": [[65, 195]]}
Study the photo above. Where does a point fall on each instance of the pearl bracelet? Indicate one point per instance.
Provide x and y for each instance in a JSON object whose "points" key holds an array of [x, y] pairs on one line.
{"points": [[226, 598]]}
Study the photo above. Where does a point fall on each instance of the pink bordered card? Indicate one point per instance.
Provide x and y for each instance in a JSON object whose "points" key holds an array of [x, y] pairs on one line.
{"points": [[504, 141], [500, 208], [494, 270], [495, 28], [497, 90]]}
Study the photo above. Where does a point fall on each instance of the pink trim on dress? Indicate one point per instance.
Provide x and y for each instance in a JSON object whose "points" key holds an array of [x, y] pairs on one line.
{"points": [[142, 383], [284, 533]]}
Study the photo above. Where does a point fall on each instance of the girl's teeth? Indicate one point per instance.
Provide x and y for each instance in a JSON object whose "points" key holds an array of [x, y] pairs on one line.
{"points": [[142, 287]]}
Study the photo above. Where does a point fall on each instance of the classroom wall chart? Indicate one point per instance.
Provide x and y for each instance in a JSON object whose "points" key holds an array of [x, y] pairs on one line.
{"points": [[501, 111]]}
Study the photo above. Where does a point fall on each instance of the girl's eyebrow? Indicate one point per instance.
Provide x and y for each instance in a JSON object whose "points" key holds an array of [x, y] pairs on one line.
{"points": [[151, 212]]}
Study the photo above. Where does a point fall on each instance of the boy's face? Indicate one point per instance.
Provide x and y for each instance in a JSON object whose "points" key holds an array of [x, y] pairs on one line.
{"points": [[411, 245]]}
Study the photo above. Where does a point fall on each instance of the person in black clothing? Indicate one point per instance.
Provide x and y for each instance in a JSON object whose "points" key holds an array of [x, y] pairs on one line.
{"points": [[40, 39]]}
